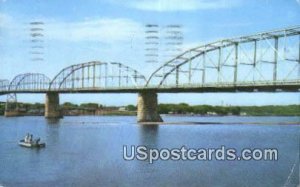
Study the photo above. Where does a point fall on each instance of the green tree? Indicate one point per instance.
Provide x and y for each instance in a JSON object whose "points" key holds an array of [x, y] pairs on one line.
{"points": [[89, 105], [68, 105], [131, 108]]}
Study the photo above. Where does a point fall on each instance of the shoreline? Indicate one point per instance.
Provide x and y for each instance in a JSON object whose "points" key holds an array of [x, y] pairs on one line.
{"points": [[172, 115], [220, 123]]}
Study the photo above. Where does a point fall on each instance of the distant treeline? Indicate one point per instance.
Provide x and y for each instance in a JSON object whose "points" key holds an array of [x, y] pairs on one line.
{"points": [[36, 108], [182, 108], [270, 110]]}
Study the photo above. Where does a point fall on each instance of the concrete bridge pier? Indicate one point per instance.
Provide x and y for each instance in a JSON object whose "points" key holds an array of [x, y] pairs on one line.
{"points": [[147, 107], [52, 109]]}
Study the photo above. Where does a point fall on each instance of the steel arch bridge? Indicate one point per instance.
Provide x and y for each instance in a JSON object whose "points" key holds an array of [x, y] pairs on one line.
{"points": [[266, 61]]}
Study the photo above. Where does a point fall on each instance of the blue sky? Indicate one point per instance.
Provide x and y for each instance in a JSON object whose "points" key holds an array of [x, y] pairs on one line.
{"points": [[112, 30]]}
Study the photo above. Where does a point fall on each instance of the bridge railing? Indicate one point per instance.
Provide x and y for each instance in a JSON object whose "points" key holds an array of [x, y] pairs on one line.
{"points": [[246, 86]]}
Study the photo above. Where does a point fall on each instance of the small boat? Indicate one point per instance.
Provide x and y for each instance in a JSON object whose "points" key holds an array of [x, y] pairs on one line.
{"points": [[32, 144]]}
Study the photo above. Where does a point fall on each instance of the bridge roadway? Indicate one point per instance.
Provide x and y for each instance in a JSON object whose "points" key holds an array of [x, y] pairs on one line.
{"points": [[268, 86]]}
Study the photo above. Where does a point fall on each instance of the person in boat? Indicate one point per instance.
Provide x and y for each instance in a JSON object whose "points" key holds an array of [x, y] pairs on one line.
{"points": [[26, 139], [36, 141], [30, 138]]}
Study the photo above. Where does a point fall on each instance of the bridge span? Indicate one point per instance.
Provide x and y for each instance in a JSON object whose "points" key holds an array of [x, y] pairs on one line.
{"points": [[263, 62]]}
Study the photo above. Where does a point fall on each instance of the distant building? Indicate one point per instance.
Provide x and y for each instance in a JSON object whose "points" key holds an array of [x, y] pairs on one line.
{"points": [[122, 108], [211, 113]]}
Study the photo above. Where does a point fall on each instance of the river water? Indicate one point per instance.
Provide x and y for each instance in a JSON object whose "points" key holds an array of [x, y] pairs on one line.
{"points": [[88, 151]]}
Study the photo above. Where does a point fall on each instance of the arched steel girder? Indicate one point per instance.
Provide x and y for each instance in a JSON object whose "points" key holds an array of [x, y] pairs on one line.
{"points": [[174, 64], [97, 75], [29, 81], [4, 83]]}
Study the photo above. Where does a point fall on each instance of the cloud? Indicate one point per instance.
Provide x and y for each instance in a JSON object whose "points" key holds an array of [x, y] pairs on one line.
{"points": [[105, 30], [298, 1], [177, 5], [5, 20]]}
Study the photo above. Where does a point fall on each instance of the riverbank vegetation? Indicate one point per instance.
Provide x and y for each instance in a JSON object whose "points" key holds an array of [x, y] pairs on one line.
{"points": [[270, 110], [171, 109]]}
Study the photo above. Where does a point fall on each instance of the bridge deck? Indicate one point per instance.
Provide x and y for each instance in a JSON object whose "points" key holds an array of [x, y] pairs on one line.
{"points": [[224, 87]]}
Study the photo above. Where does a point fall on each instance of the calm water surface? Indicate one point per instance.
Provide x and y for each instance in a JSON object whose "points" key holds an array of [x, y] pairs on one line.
{"points": [[88, 151]]}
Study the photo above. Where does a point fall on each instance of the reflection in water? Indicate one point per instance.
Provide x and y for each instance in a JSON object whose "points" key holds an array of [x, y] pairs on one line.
{"points": [[148, 135], [53, 121], [52, 130]]}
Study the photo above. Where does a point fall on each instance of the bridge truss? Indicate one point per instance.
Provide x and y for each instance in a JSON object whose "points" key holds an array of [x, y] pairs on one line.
{"points": [[95, 75], [264, 59], [25, 82], [4, 83]]}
